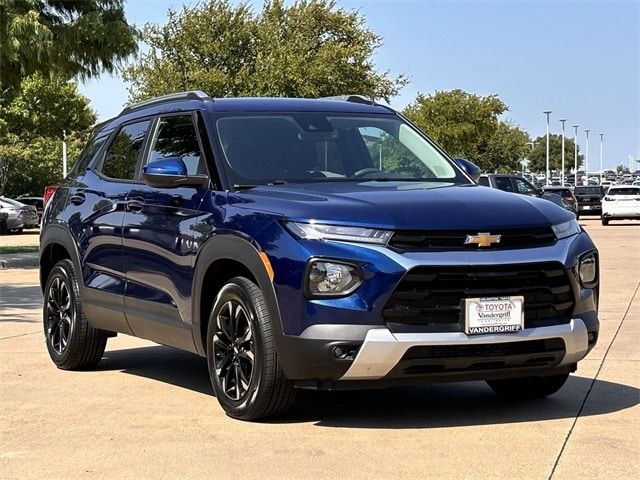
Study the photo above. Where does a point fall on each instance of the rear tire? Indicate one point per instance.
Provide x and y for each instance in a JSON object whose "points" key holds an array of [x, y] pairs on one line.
{"points": [[17, 231], [242, 357], [3, 227], [72, 343], [528, 387]]}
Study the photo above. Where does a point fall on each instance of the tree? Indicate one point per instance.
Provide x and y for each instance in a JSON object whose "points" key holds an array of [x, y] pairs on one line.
{"points": [[31, 130], [468, 126], [307, 49], [505, 149], [62, 38], [538, 157]]}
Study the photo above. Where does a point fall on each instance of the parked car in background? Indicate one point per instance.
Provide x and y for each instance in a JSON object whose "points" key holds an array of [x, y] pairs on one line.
{"points": [[509, 183], [561, 202], [622, 202], [272, 237], [37, 202], [565, 192], [3, 222], [19, 215], [589, 199]]}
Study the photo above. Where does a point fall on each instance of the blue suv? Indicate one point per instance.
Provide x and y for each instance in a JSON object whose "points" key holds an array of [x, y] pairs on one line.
{"points": [[309, 243]]}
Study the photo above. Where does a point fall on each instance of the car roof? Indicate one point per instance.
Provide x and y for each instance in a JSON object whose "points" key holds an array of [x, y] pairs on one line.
{"points": [[624, 187], [250, 104]]}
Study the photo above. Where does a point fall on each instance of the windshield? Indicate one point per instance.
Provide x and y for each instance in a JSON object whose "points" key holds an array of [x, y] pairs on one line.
{"points": [[320, 147]]}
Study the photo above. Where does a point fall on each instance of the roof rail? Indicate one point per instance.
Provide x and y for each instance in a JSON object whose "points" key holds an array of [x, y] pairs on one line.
{"points": [[192, 95], [352, 98]]}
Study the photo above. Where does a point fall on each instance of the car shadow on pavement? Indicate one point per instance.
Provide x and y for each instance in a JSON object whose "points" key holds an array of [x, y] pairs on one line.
{"points": [[18, 301], [424, 406]]}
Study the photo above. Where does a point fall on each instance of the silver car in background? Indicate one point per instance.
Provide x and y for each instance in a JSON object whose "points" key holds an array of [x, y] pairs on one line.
{"points": [[18, 215]]}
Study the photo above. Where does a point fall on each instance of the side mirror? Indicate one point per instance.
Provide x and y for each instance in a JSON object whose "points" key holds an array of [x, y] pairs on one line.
{"points": [[471, 168], [171, 172]]}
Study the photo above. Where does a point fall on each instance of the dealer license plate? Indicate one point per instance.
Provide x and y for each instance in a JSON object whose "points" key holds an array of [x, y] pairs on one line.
{"points": [[493, 315]]}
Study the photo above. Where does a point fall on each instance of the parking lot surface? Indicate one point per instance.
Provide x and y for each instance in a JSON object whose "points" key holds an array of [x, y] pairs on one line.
{"points": [[148, 410]]}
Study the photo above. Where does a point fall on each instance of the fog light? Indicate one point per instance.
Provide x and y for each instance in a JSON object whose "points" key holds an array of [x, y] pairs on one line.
{"points": [[344, 351], [588, 268], [332, 279]]}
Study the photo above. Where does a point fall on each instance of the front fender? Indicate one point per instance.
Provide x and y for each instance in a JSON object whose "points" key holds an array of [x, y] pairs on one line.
{"points": [[231, 247]]}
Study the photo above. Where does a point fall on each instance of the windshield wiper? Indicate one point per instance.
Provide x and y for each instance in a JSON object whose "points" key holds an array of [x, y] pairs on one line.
{"points": [[249, 186], [243, 186]]}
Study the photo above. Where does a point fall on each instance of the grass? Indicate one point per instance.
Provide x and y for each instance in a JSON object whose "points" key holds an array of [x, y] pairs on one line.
{"points": [[4, 249]]}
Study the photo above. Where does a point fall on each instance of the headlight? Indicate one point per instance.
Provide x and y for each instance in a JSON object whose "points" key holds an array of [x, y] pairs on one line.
{"points": [[317, 231], [588, 269], [566, 229], [327, 279]]}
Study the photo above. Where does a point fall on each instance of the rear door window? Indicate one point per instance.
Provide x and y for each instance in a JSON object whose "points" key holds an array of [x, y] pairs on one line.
{"points": [[484, 181], [122, 159]]}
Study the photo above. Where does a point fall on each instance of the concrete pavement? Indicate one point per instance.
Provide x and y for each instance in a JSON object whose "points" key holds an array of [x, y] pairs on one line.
{"points": [[148, 410]]}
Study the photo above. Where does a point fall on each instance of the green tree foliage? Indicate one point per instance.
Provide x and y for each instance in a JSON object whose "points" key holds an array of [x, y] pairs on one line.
{"points": [[63, 38], [468, 126], [31, 130], [505, 149], [538, 157], [310, 48]]}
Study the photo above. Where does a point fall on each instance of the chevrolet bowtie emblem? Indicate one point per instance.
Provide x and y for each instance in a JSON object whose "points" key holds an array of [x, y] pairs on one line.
{"points": [[482, 239]]}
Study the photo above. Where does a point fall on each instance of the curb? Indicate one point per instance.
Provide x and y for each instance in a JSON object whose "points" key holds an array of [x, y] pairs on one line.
{"points": [[19, 260]]}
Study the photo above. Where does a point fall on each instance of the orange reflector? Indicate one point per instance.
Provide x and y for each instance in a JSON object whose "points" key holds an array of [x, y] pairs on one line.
{"points": [[267, 264]]}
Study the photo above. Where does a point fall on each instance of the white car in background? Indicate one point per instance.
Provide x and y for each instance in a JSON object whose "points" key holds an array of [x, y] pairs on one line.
{"points": [[621, 202]]}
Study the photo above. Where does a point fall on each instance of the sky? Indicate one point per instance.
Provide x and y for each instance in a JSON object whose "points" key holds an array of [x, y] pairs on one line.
{"points": [[579, 59]]}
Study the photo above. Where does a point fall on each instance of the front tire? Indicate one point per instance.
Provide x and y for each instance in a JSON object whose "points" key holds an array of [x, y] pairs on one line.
{"points": [[72, 343], [605, 221], [528, 387], [242, 357]]}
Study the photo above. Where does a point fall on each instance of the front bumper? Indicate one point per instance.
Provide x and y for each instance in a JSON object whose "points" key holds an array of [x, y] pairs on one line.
{"points": [[313, 328], [384, 357], [382, 350]]}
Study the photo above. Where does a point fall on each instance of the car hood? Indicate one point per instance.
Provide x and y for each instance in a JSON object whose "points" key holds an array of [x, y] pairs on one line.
{"points": [[401, 205]]}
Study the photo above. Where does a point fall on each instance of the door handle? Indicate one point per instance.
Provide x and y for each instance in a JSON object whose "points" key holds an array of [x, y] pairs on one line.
{"points": [[135, 205], [77, 198]]}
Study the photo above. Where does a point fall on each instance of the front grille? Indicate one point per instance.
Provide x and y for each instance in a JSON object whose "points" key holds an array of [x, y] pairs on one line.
{"points": [[432, 359], [433, 297], [484, 350], [512, 238]]}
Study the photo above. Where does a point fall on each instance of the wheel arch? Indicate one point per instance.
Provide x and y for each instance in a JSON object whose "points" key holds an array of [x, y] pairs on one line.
{"points": [[56, 243], [220, 259]]}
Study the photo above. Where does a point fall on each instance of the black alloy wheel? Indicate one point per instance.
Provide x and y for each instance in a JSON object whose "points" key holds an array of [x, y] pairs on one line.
{"points": [[72, 342], [60, 315], [234, 349]]}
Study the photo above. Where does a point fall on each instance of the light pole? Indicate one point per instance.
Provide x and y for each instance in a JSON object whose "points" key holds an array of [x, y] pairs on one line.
{"points": [[586, 154], [575, 155], [547, 113], [562, 120], [64, 153], [601, 135]]}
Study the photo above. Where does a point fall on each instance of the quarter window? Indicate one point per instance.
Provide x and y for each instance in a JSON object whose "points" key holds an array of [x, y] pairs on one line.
{"points": [[122, 158], [176, 137]]}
